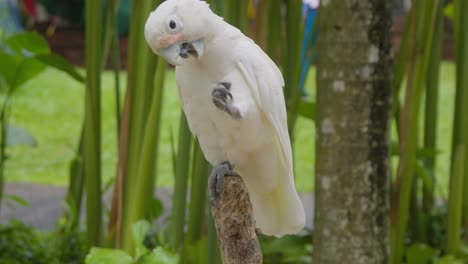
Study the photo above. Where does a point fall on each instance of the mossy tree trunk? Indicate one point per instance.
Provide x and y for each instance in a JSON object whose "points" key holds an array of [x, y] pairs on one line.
{"points": [[353, 132]]}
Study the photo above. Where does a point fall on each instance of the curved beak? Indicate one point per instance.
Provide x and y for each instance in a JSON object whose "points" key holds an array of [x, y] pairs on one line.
{"points": [[177, 52], [171, 54]]}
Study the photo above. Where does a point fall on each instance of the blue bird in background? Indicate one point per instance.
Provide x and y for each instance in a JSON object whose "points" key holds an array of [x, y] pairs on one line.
{"points": [[310, 8]]}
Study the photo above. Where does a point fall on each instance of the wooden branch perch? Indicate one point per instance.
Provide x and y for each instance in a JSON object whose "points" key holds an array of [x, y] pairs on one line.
{"points": [[235, 225]]}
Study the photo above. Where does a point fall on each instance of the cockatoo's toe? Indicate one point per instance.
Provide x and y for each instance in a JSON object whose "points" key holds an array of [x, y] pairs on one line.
{"points": [[216, 179], [223, 100]]}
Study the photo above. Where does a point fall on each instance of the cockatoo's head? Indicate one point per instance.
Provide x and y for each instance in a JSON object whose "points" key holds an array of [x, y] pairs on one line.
{"points": [[178, 29]]}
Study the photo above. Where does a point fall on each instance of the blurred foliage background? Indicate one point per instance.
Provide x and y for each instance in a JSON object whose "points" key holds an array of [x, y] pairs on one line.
{"points": [[106, 128]]}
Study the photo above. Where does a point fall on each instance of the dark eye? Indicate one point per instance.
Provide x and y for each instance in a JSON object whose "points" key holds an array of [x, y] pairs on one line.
{"points": [[172, 24]]}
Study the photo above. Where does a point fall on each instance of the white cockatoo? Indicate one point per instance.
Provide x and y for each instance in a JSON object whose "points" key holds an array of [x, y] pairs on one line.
{"points": [[231, 93]]}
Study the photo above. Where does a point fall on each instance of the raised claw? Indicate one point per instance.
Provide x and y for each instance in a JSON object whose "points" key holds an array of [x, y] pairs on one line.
{"points": [[222, 99]]}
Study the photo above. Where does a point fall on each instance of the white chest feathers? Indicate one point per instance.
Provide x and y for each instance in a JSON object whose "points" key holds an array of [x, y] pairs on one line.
{"points": [[221, 136]]}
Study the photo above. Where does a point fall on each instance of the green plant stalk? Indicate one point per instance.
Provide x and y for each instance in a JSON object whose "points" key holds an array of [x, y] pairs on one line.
{"points": [[416, 231], [457, 132], [3, 139], [116, 64], [111, 38], [214, 255], [260, 22], [273, 32], [109, 22], [180, 188], [243, 19], [116, 217], [424, 35], [138, 60], [198, 195], [455, 203], [217, 6], [92, 129], [431, 106], [147, 166], [230, 12], [198, 200], [3, 123], [76, 184], [456, 23], [462, 84], [292, 60], [399, 68], [2, 154], [148, 90]]}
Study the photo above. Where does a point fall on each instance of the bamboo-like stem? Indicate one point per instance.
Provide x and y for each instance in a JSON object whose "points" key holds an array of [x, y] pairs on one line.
{"points": [[147, 164], [109, 22], [181, 179], [198, 200], [115, 228], [260, 22], [431, 106], [243, 19], [198, 195], [235, 226], [214, 255], [273, 32], [409, 134], [462, 84], [140, 64], [400, 66], [116, 63], [457, 130], [76, 184], [138, 57], [2, 153], [291, 60], [92, 136], [455, 203]]}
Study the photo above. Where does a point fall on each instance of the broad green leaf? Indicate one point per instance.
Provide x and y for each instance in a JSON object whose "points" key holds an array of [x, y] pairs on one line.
{"points": [[16, 135], [160, 256], [420, 254], [287, 245], [420, 153], [8, 66], [425, 175], [61, 64], [28, 44], [155, 208], [28, 69], [449, 259], [17, 200], [140, 230], [108, 256], [307, 109]]}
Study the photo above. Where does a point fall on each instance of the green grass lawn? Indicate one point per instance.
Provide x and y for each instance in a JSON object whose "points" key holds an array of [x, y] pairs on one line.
{"points": [[51, 108]]}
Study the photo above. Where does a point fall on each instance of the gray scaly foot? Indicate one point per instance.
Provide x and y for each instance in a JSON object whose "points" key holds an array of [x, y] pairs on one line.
{"points": [[216, 179]]}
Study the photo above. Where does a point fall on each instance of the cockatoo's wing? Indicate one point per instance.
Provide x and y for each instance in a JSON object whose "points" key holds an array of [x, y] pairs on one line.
{"points": [[266, 84], [277, 210]]}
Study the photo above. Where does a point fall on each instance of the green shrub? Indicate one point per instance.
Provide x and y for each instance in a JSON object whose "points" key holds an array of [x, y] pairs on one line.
{"points": [[20, 244]]}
